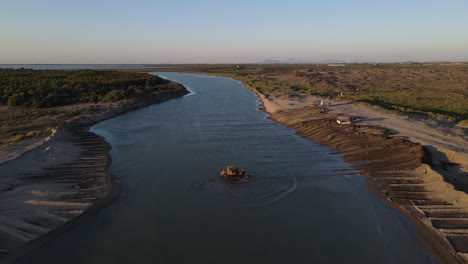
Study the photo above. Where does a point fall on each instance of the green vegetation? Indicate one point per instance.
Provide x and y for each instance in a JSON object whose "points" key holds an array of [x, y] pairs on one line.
{"points": [[440, 91], [32, 102], [52, 88], [21, 136], [20, 123]]}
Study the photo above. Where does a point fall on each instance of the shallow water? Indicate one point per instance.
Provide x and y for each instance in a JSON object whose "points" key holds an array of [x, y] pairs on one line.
{"points": [[305, 204]]}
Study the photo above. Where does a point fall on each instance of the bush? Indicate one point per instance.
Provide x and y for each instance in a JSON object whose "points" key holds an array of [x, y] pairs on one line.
{"points": [[114, 96]]}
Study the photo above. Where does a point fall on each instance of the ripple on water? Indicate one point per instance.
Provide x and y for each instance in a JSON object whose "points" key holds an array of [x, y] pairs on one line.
{"points": [[255, 192], [262, 191]]}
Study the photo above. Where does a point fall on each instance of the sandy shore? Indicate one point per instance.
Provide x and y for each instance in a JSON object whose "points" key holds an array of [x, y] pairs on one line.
{"points": [[411, 164], [55, 183]]}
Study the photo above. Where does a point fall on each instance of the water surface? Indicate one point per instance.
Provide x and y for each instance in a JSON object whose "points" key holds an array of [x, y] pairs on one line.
{"points": [[305, 205], [79, 66]]}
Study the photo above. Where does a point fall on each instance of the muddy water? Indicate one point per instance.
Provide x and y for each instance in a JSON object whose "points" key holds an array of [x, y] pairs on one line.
{"points": [[305, 204]]}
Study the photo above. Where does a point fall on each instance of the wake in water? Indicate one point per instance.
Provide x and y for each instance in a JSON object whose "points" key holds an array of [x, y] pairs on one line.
{"points": [[255, 192], [260, 191]]}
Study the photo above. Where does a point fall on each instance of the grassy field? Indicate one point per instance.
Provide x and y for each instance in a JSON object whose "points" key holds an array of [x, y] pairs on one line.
{"points": [[440, 91]]}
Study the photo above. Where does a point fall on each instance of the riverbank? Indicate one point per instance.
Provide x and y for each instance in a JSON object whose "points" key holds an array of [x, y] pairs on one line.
{"points": [[62, 181], [402, 172]]}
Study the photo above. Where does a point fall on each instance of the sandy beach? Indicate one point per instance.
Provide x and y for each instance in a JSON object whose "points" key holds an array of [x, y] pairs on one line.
{"points": [[411, 164], [51, 184]]}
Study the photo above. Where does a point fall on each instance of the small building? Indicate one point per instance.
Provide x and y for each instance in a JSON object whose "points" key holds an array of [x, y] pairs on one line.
{"points": [[344, 120], [325, 103]]}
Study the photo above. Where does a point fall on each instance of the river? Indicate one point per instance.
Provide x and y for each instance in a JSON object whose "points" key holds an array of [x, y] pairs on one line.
{"points": [[305, 204]]}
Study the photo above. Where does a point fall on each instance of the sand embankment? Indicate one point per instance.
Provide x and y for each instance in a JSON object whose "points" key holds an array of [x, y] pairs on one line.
{"points": [[403, 162], [61, 182]]}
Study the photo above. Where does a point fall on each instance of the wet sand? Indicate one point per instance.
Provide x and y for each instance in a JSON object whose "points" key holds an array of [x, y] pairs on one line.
{"points": [[62, 181], [400, 172]]}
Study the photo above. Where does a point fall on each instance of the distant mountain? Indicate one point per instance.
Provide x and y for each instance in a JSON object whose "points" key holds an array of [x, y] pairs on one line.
{"points": [[288, 61], [271, 61], [295, 61], [326, 61]]}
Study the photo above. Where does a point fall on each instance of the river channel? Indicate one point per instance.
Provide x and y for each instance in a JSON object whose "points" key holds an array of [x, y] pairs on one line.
{"points": [[304, 204]]}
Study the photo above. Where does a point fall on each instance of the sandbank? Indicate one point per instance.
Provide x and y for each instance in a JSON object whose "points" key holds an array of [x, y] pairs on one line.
{"points": [[409, 164], [59, 181]]}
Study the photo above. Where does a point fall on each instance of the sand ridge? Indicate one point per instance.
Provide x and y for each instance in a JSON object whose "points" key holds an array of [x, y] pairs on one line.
{"points": [[395, 152], [50, 187], [449, 139]]}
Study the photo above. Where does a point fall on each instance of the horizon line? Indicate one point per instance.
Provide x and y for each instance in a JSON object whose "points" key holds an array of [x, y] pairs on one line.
{"points": [[251, 63]]}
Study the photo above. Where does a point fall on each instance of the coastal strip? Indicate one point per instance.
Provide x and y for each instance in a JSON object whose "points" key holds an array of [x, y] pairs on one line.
{"points": [[62, 182], [398, 171]]}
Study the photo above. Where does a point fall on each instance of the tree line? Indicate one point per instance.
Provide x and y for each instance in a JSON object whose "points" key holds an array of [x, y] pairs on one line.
{"points": [[52, 88]]}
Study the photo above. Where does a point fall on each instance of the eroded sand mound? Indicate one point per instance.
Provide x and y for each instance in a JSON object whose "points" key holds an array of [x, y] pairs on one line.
{"points": [[370, 149], [397, 169], [51, 185]]}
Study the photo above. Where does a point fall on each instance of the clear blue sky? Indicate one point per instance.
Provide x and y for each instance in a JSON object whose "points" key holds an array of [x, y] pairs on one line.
{"points": [[231, 31]]}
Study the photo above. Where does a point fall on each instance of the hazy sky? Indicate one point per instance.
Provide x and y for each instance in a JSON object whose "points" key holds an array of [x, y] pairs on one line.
{"points": [[231, 31]]}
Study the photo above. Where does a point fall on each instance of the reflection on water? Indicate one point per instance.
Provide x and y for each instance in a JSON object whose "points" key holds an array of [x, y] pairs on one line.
{"points": [[304, 204]]}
